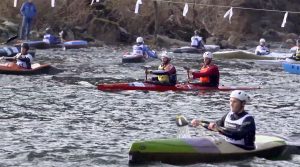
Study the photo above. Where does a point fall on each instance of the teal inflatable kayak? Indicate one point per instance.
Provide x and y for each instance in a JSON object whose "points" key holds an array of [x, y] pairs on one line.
{"points": [[203, 149]]}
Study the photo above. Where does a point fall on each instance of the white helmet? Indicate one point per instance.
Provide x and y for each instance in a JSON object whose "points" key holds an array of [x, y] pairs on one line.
{"points": [[208, 55], [166, 56], [262, 40], [241, 95], [139, 40]]}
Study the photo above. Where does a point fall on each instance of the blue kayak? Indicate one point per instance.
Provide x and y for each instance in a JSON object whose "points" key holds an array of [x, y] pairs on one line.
{"points": [[291, 68], [11, 51], [75, 44]]}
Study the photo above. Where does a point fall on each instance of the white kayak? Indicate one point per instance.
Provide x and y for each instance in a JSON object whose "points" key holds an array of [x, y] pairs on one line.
{"points": [[242, 54], [189, 49]]}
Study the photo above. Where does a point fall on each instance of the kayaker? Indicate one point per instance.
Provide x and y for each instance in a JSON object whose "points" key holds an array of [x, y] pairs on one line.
{"points": [[28, 11], [237, 126], [262, 49], [166, 73], [296, 55], [23, 59], [209, 73], [50, 38], [141, 49], [197, 41]]}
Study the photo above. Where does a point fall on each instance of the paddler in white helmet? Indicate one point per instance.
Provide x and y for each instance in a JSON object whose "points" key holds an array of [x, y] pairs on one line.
{"points": [[166, 73], [237, 126], [197, 41], [209, 73], [50, 38], [262, 49], [141, 49]]}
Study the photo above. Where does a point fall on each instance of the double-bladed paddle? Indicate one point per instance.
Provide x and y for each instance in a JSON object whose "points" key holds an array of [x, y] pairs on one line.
{"points": [[10, 39], [146, 70]]}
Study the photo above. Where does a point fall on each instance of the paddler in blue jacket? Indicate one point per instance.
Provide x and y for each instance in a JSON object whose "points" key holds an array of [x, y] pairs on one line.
{"points": [[166, 73], [143, 50], [50, 38], [237, 126], [28, 11]]}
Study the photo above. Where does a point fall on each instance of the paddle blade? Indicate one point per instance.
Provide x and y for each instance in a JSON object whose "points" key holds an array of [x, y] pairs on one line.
{"points": [[186, 68], [11, 39], [181, 121], [146, 66]]}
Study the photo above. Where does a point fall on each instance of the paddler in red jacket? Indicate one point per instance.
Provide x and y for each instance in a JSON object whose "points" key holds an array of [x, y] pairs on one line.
{"points": [[209, 73], [166, 73]]}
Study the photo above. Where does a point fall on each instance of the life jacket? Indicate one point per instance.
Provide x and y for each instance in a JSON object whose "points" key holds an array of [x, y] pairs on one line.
{"points": [[24, 64], [204, 79], [233, 124], [138, 50], [262, 50], [51, 39], [170, 79], [195, 41]]}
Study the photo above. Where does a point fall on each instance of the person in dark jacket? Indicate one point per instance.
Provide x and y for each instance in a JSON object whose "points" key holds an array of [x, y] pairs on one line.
{"points": [[28, 11]]}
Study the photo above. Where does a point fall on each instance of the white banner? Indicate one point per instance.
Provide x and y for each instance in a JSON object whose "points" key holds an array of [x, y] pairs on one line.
{"points": [[52, 3], [284, 19], [185, 9], [137, 6], [229, 13], [15, 3]]}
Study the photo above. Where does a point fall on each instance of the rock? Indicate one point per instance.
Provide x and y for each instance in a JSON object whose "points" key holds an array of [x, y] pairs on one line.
{"points": [[272, 35], [212, 40], [165, 41], [11, 26], [291, 36], [224, 44], [34, 35]]}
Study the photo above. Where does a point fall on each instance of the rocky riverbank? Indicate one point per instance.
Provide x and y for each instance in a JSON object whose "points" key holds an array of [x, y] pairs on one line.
{"points": [[114, 22]]}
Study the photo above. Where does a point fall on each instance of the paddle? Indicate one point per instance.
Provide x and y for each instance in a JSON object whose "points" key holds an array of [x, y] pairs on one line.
{"points": [[146, 71], [181, 121], [10, 39], [188, 73]]}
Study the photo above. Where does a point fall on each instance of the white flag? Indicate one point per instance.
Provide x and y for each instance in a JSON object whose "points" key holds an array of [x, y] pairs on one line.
{"points": [[52, 3], [185, 9], [137, 6], [229, 13], [97, 0], [284, 19], [15, 3], [92, 2]]}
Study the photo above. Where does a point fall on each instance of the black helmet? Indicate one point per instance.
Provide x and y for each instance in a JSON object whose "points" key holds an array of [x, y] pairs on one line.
{"points": [[48, 30], [25, 46], [196, 32]]}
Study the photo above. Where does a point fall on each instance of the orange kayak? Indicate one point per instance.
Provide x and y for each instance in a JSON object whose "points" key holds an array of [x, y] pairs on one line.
{"points": [[14, 69]]}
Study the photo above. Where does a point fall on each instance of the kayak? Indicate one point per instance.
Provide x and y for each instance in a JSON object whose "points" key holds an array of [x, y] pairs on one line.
{"points": [[75, 44], [12, 51], [130, 58], [178, 87], [241, 54], [202, 149], [189, 49], [291, 68], [13, 69]]}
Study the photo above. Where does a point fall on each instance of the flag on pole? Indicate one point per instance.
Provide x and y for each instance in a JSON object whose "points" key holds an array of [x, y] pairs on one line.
{"points": [[185, 9], [15, 3], [52, 3], [284, 19], [137, 6], [229, 13]]}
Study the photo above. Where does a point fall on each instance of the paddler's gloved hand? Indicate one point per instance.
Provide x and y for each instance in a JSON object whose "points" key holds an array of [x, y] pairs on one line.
{"points": [[195, 122]]}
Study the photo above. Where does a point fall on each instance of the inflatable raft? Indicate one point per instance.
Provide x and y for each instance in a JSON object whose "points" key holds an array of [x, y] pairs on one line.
{"points": [[202, 149]]}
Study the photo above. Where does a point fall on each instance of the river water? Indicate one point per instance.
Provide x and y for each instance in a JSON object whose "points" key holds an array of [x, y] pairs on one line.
{"points": [[60, 120]]}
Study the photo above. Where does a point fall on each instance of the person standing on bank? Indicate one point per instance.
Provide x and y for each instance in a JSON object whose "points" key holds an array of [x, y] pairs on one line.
{"points": [[28, 11]]}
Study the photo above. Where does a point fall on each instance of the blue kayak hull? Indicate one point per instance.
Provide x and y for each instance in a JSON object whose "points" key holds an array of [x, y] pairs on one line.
{"points": [[291, 68]]}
